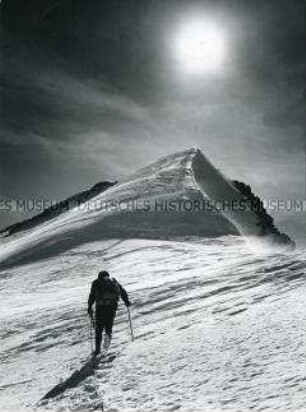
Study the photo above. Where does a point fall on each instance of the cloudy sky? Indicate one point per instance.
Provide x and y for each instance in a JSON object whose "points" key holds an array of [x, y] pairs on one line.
{"points": [[93, 90]]}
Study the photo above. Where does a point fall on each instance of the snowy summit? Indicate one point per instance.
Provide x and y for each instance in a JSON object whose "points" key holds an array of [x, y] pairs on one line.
{"points": [[181, 195]]}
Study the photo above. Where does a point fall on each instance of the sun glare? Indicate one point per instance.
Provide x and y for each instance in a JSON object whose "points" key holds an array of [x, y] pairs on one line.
{"points": [[200, 47]]}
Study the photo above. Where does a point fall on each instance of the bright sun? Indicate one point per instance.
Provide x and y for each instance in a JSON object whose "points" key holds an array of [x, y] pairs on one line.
{"points": [[200, 47]]}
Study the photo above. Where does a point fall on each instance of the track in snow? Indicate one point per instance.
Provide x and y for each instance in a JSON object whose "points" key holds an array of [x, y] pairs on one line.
{"points": [[216, 327]]}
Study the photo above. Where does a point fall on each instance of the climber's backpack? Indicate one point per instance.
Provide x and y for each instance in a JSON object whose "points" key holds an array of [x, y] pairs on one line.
{"points": [[108, 292]]}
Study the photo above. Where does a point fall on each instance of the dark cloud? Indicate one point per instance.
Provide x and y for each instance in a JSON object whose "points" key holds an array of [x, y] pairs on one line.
{"points": [[88, 93]]}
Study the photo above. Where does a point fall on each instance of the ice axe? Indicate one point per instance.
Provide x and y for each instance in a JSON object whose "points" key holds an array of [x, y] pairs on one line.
{"points": [[92, 320], [130, 322]]}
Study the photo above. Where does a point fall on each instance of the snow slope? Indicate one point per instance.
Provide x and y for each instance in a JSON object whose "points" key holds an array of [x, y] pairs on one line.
{"points": [[160, 201], [217, 328]]}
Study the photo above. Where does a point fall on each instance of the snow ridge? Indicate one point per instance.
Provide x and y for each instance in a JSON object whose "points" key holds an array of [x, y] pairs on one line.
{"points": [[147, 204]]}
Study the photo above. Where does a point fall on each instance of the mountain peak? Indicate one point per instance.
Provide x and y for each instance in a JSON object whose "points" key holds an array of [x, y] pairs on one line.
{"points": [[182, 194]]}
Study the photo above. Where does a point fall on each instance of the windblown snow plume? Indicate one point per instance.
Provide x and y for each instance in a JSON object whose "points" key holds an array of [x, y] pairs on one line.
{"points": [[180, 195]]}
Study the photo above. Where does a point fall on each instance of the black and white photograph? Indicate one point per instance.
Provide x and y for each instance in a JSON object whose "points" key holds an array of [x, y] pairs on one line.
{"points": [[152, 205]]}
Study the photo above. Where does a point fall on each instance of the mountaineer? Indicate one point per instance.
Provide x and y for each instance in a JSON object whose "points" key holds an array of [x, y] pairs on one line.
{"points": [[105, 293]]}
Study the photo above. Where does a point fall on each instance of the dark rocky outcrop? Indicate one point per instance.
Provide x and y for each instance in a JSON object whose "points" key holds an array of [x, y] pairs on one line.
{"points": [[265, 221], [58, 208]]}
